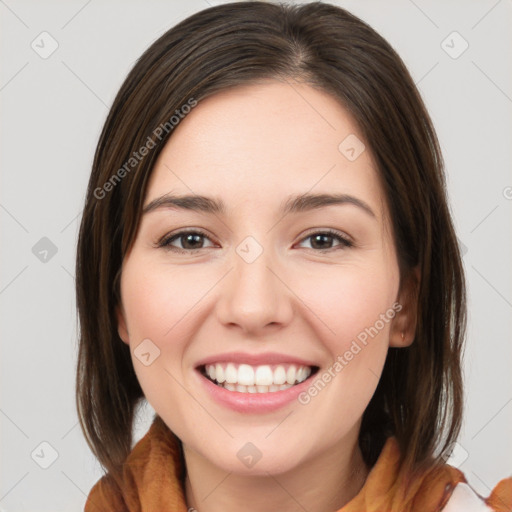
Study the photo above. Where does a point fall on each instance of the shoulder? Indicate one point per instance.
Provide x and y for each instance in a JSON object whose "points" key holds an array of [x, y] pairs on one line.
{"points": [[444, 488], [465, 499], [105, 496], [152, 468]]}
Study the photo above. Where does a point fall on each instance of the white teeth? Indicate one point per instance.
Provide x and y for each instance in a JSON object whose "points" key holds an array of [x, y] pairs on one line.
{"points": [[219, 373], [254, 389], [245, 378], [245, 375], [279, 375], [290, 374], [231, 374], [264, 376], [302, 374]]}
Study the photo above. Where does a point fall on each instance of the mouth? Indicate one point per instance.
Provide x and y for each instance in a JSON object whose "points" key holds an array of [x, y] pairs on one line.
{"points": [[258, 379]]}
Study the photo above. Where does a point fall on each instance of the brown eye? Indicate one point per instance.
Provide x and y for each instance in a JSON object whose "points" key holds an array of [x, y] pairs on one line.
{"points": [[322, 240], [190, 241]]}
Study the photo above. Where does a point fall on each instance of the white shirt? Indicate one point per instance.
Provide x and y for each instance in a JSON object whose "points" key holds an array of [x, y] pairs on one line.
{"points": [[464, 499]]}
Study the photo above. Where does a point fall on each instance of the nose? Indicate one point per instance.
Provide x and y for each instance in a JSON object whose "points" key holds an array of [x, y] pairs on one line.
{"points": [[254, 295]]}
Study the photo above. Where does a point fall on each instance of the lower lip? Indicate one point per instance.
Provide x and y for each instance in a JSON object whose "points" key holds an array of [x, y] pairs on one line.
{"points": [[253, 402]]}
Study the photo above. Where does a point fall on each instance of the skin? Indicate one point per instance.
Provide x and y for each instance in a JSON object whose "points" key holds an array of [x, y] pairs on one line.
{"points": [[278, 139]]}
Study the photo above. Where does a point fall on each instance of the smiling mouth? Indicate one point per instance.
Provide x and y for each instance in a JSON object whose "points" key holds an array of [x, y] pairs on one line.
{"points": [[246, 378]]}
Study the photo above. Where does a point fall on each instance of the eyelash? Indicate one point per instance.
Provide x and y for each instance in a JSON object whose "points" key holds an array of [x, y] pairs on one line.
{"points": [[166, 240]]}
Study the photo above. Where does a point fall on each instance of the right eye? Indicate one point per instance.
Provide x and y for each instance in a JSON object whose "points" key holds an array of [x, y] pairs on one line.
{"points": [[189, 239]]}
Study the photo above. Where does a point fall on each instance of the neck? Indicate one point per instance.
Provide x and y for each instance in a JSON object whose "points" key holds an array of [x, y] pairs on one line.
{"points": [[323, 484]]}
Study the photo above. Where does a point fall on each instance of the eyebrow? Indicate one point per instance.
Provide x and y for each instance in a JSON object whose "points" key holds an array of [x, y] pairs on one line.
{"points": [[293, 204]]}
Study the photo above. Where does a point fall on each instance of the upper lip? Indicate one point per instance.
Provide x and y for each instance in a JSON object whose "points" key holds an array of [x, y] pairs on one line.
{"points": [[254, 359]]}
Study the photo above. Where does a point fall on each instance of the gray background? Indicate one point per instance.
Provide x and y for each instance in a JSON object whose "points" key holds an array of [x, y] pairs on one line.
{"points": [[52, 112]]}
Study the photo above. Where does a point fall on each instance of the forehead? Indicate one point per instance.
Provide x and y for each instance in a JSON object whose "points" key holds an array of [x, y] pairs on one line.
{"points": [[254, 144]]}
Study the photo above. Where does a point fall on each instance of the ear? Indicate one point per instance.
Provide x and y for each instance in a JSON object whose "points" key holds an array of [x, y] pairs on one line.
{"points": [[403, 327], [121, 325]]}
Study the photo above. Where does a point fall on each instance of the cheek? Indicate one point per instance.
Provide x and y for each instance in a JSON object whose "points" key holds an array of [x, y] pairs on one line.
{"points": [[159, 302], [159, 306], [355, 306], [350, 301], [164, 305]]}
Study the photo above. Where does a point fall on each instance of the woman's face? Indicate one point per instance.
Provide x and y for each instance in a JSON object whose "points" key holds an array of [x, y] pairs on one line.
{"points": [[275, 288]]}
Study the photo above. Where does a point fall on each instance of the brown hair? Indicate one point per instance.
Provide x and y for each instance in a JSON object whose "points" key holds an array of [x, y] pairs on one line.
{"points": [[419, 396]]}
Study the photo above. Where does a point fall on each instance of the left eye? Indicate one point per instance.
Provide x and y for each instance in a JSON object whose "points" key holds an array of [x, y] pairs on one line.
{"points": [[192, 241], [320, 237]]}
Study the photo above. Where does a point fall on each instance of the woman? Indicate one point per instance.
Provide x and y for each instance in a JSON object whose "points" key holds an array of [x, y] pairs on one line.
{"points": [[267, 257]]}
